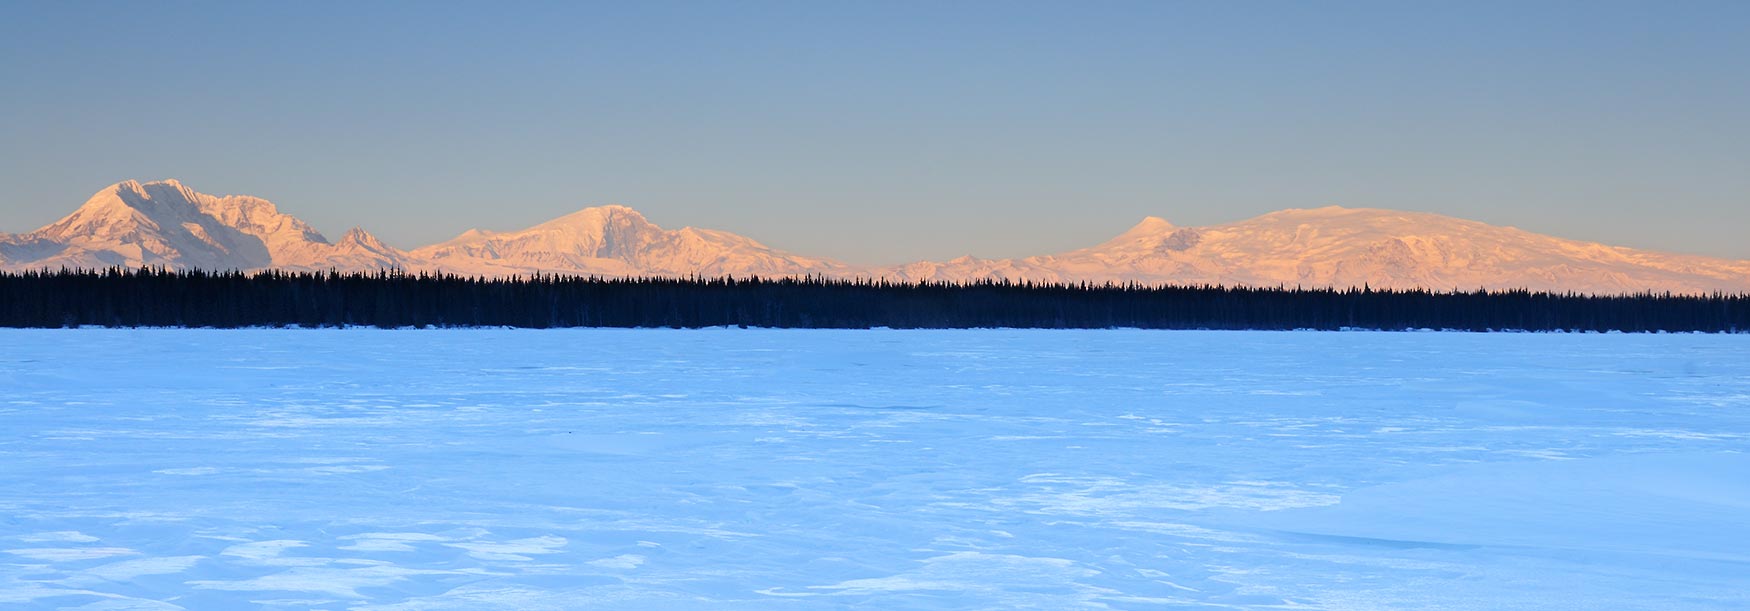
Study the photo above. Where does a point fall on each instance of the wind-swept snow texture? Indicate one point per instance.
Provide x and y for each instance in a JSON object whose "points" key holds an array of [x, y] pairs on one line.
{"points": [[764, 469]]}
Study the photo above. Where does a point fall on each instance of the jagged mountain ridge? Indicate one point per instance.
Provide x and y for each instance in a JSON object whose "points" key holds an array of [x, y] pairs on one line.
{"points": [[167, 224], [614, 241]]}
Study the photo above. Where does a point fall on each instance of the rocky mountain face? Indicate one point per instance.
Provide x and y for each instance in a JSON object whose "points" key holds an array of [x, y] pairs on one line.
{"points": [[165, 223]]}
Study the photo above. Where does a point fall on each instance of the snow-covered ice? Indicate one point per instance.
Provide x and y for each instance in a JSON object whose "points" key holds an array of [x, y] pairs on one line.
{"points": [[769, 469]]}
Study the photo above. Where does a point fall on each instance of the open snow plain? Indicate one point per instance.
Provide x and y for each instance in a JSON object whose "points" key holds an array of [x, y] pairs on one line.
{"points": [[768, 469]]}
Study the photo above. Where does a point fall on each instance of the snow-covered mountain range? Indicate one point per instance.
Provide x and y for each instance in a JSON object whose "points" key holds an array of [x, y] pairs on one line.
{"points": [[165, 223]]}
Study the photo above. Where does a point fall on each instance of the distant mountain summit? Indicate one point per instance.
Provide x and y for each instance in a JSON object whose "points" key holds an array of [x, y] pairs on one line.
{"points": [[614, 241], [165, 223], [1351, 247]]}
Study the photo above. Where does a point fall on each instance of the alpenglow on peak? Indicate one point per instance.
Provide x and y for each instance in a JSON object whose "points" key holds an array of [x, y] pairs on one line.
{"points": [[166, 223]]}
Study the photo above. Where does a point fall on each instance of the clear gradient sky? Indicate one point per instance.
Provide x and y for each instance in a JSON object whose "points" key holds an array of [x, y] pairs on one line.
{"points": [[880, 132]]}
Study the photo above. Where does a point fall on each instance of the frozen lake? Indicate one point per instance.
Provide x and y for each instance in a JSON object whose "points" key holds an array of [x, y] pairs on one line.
{"points": [[768, 469]]}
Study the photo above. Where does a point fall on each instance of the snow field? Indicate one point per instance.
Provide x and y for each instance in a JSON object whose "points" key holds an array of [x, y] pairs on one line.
{"points": [[774, 469]]}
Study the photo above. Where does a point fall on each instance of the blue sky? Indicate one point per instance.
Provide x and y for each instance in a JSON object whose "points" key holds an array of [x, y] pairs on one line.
{"points": [[879, 132]]}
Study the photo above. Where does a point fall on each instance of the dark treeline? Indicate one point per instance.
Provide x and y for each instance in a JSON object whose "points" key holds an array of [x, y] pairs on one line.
{"points": [[159, 298]]}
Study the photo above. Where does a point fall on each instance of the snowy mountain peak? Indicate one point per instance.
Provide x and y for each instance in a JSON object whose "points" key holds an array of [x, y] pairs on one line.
{"points": [[600, 217], [614, 209], [1150, 224], [167, 223], [1379, 217], [141, 188], [1149, 235], [358, 237], [136, 194], [1343, 247], [357, 250], [612, 240], [123, 206]]}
